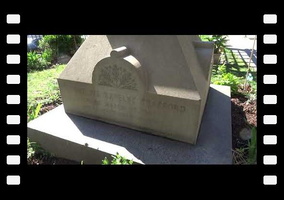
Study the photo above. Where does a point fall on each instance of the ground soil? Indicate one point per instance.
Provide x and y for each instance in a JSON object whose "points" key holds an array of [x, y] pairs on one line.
{"points": [[50, 160], [243, 116]]}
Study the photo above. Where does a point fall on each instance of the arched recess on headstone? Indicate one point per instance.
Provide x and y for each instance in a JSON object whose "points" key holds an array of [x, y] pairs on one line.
{"points": [[120, 71]]}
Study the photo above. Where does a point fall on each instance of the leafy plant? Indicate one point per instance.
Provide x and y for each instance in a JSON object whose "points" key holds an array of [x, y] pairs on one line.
{"points": [[229, 79], [222, 69], [33, 111], [30, 149], [61, 44], [47, 55], [252, 147], [36, 61], [117, 160], [204, 37], [219, 43], [35, 150]]}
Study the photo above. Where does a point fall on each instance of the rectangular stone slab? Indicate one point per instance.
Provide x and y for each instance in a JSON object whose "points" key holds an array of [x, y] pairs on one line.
{"points": [[78, 138]]}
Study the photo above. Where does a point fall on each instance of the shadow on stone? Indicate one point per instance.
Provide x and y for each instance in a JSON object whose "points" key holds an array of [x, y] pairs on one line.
{"points": [[213, 145]]}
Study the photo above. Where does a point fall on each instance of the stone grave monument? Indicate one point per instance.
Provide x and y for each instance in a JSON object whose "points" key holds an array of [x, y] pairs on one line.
{"points": [[153, 83], [146, 97]]}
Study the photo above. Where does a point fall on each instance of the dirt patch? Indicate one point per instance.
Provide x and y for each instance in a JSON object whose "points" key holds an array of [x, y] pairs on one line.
{"points": [[46, 160], [243, 116], [49, 107]]}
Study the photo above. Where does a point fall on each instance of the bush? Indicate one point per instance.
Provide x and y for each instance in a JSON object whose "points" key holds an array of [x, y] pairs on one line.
{"points": [[61, 44], [52, 46], [219, 42], [36, 61], [47, 55], [229, 79]]}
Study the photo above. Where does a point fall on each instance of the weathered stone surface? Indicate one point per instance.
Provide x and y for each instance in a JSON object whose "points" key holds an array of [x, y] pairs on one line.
{"points": [[157, 84], [78, 138]]}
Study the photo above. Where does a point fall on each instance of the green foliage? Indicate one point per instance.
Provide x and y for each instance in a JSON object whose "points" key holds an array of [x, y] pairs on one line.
{"points": [[219, 43], [61, 44], [229, 79], [222, 69], [35, 150], [204, 37], [117, 160], [33, 59], [43, 87], [30, 149], [47, 55], [52, 46], [36, 61], [33, 111], [252, 147], [105, 161]]}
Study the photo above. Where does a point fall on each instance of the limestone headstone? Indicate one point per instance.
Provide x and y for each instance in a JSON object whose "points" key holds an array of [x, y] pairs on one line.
{"points": [[154, 83]]}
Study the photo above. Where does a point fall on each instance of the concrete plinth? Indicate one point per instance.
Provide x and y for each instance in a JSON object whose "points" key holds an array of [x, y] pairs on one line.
{"points": [[77, 138]]}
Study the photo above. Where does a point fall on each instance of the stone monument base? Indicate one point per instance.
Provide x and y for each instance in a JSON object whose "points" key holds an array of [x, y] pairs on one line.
{"points": [[81, 139]]}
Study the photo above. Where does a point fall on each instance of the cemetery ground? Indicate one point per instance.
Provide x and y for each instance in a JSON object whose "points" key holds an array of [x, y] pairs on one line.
{"points": [[44, 95]]}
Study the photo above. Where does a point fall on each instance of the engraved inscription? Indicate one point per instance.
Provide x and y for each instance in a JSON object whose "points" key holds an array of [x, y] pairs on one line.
{"points": [[117, 77], [152, 104], [126, 103]]}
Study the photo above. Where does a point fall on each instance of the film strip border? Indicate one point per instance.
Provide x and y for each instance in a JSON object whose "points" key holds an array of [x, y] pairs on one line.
{"points": [[14, 96], [269, 95]]}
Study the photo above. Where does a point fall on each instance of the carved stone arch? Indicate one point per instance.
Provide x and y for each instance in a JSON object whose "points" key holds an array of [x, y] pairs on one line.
{"points": [[120, 71]]}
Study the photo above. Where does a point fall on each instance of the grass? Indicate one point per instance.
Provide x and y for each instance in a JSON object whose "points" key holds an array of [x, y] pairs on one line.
{"points": [[43, 87]]}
